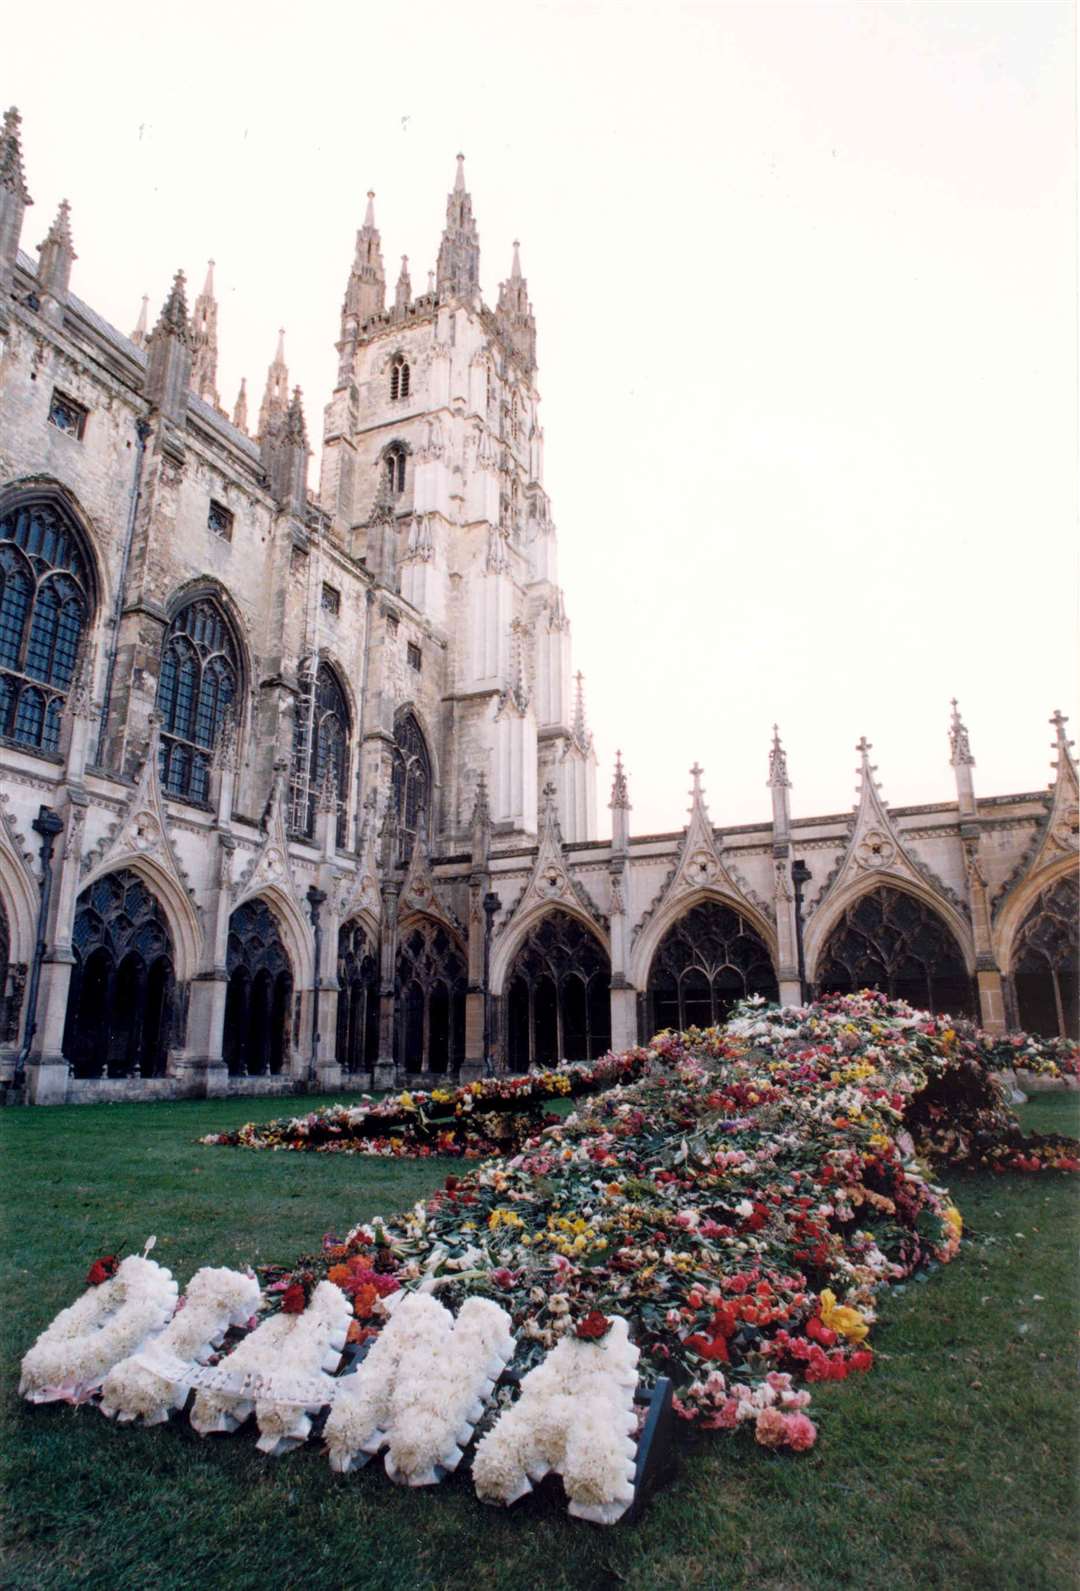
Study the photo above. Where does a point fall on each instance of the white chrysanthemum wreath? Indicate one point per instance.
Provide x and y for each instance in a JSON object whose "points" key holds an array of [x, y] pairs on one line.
{"points": [[126, 1303], [575, 1415], [151, 1383], [424, 1384]]}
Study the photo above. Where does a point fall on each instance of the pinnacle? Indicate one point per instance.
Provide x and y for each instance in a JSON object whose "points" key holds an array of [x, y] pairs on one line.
{"points": [[459, 177], [369, 213], [173, 320], [208, 285], [515, 269], [12, 175], [60, 231], [279, 357]]}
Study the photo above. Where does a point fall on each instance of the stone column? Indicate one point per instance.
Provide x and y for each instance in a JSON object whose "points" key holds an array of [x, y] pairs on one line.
{"points": [[46, 1068], [201, 1063], [385, 1076], [473, 1065]]}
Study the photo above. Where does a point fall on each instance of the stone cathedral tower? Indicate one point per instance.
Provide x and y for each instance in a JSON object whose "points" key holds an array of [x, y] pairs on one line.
{"points": [[433, 475]]}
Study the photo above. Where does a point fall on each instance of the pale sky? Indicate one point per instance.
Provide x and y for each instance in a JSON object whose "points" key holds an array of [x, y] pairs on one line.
{"points": [[806, 292]]}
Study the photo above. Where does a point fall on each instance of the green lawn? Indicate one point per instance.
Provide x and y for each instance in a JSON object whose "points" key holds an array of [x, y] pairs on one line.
{"points": [[952, 1464]]}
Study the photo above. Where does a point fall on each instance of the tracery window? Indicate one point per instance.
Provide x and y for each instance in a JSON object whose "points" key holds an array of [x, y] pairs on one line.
{"points": [[1045, 963], [706, 962], [358, 999], [198, 686], [320, 740], [411, 781], [890, 940], [44, 609], [259, 997], [394, 465], [399, 377], [121, 1002], [430, 989], [558, 999]]}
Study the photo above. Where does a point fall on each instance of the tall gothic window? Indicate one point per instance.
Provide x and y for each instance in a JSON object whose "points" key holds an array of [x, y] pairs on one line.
{"points": [[320, 741], [1045, 963], [891, 941], [121, 1002], [358, 999], [259, 996], [430, 1001], [558, 999], [708, 960], [411, 781], [399, 377], [394, 465], [198, 686], [44, 609]]}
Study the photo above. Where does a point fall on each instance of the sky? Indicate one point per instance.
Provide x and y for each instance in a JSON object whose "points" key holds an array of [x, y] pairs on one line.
{"points": [[805, 280]]}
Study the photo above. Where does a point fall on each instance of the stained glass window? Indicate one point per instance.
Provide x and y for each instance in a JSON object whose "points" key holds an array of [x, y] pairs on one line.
{"points": [[197, 687], [44, 609]]}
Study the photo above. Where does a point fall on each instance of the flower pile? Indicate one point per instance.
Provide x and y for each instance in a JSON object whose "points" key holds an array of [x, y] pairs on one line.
{"points": [[743, 1204], [478, 1119]]}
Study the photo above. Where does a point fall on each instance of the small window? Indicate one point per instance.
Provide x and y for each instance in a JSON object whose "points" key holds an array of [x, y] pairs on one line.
{"points": [[67, 415], [391, 624], [414, 656], [220, 521], [395, 469], [331, 600], [399, 377]]}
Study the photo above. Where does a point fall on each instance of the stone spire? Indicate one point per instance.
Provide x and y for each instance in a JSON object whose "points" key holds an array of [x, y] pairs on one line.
{"points": [[169, 355], [403, 290], [240, 414], [962, 763], [481, 827], [579, 728], [365, 291], [284, 447], [204, 342], [457, 273], [139, 335], [1063, 745], [620, 807], [55, 256], [514, 313], [14, 199], [275, 404], [779, 784]]}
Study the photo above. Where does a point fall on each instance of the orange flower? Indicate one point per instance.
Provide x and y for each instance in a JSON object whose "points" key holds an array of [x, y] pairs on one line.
{"points": [[364, 1300], [338, 1274]]}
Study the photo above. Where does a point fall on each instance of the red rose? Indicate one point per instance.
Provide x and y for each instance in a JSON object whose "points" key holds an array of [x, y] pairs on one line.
{"points": [[102, 1270], [294, 1301], [593, 1326]]}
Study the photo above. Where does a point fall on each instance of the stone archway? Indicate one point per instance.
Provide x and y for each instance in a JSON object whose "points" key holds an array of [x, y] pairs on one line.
{"points": [[122, 1005], [1044, 963], [258, 1003], [430, 985], [889, 939], [710, 958], [557, 995], [358, 998]]}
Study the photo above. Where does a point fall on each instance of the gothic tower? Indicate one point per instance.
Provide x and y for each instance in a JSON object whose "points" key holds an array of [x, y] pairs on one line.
{"points": [[433, 475]]}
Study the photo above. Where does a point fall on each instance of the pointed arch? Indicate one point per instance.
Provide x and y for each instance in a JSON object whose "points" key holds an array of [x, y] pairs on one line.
{"points": [[896, 940], [1045, 960], [830, 912], [257, 1035], [185, 928], [505, 949], [295, 929], [710, 956], [412, 778], [557, 992], [201, 681], [430, 985], [322, 739], [676, 906], [1013, 910], [358, 994]]}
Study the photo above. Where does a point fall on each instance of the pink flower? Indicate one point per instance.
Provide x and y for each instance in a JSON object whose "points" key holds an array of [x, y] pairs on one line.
{"points": [[801, 1433], [727, 1416], [770, 1428]]}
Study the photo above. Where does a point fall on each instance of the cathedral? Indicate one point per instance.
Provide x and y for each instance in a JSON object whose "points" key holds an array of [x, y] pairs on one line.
{"points": [[298, 788]]}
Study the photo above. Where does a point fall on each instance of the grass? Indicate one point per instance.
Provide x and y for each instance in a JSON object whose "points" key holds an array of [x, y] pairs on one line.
{"points": [[951, 1465]]}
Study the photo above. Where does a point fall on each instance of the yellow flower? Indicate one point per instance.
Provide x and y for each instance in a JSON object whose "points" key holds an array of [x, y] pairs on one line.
{"points": [[407, 1102], [838, 1317], [502, 1217], [878, 1140], [955, 1219]]}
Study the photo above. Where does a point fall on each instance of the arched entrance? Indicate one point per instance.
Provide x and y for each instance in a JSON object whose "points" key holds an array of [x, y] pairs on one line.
{"points": [[890, 940], [259, 999], [706, 962], [411, 781], [430, 988], [358, 999], [121, 1003], [558, 996], [1044, 976]]}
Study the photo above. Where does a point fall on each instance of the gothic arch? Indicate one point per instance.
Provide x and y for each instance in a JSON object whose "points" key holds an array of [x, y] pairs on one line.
{"points": [[412, 757], [202, 682], [505, 949], [898, 941], [711, 955], [19, 901], [1042, 981], [358, 994], [258, 1029], [1017, 904], [185, 929], [557, 992], [430, 984], [656, 928], [32, 490], [296, 934], [332, 727], [825, 918], [204, 585]]}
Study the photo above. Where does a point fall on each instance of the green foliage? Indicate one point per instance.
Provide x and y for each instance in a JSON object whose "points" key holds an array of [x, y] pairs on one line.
{"points": [[951, 1465]]}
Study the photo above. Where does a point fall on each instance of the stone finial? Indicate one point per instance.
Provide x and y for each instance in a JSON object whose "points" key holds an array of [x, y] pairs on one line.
{"points": [[514, 312], [580, 729], [1059, 720], [515, 268], [369, 213], [459, 175], [458, 269], [778, 774], [959, 744], [12, 175], [295, 428], [173, 320], [403, 290], [697, 792], [56, 253], [620, 794], [275, 403], [59, 234], [168, 351], [204, 342], [240, 409], [139, 335]]}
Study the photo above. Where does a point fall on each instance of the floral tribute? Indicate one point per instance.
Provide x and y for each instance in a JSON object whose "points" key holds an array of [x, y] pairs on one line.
{"points": [[743, 1205], [478, 1119], [126, 1303], [421, 1389], [154, 1381]]}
